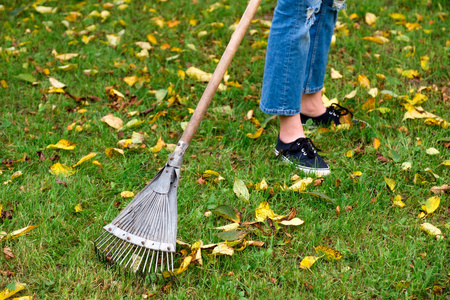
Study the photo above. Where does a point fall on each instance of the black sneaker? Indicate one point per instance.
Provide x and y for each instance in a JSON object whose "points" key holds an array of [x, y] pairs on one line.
{"points": [[302, 153], [332, 114]]}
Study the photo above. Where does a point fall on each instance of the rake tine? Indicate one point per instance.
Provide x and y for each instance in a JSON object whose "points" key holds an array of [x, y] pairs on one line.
{"points": [[131, 257], [105, 240], [151, 262], [121, 246], [104, 234]]}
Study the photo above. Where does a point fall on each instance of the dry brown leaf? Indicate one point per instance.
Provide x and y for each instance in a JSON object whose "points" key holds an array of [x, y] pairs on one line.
{"points": [[8, 253], [112, 121], [440, 189]]}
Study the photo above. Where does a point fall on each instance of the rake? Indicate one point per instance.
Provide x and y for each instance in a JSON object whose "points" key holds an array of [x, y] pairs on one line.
{"points": [[142, 238]]}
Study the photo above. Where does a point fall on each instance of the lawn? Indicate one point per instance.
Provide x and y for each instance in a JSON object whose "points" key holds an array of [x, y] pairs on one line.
{"points": [[66, 65]]}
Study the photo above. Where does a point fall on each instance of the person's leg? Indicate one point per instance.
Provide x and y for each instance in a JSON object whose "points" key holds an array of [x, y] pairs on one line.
{"points": [[321, 33], [284, 75], [312, 104], [291, 128]]}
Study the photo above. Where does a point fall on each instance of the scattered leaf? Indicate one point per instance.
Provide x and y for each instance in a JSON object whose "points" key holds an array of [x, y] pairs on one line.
{"points": [[60, 169], [16, 233], [241, 190], [398, 201], [227, 212], [390, 183], [12, 289], [159, 145], [8, 253], [127, 194], [223, 249], [112, 121], [440, 189], [263, 211], [293, 222], [16, 174], [370, 18], [85, 158], [110, 152], [257, 134], [328, 253], [78, 208], [431, 204], [232, 226], [232, 235], [432, 230], [198, 74], [432, 151], [307, 262], [62, 144]]}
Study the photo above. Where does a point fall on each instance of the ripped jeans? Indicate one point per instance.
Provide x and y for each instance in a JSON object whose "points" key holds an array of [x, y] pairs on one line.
{"points": [[297, 53]]}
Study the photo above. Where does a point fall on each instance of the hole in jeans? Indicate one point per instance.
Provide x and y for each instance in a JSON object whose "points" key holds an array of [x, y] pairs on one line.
{"points": [[310, 14], [338, 4]]}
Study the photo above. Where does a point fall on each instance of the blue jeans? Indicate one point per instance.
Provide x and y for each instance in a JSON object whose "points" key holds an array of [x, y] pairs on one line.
{"points": [[297, 53]]}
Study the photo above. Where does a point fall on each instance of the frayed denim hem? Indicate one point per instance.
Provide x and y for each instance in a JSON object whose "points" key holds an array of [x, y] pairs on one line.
{"points": [[312, 90], [279, 112], [339, 5]]}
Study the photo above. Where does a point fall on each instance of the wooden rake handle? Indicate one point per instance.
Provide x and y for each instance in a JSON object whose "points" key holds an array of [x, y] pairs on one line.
{"points": [[218, 74]]}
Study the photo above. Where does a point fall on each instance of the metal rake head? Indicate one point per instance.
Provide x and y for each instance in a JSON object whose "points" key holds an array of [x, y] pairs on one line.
{"points": [[136, 259], [142, 238]]}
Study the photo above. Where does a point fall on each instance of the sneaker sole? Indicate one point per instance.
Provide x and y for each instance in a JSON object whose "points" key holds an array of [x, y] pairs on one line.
{"points": [[307, 170]]}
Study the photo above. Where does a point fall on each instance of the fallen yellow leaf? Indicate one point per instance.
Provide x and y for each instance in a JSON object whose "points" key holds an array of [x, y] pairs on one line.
{"points": [[232, 226], [151, 38], [198, 74], [397, 16], [78, 208], [159, 145], [432, 151], [96, 162], [263, 211], [85, 158], [377, 39], [16, 233], [6, 293], [364, 81], [328, 253], [410, 73], [62, 144], [223, 249], [56, 84], [424, 62], [293, 222], [127, 194], [376, 143], [131, 80], [398, 201], [16, 174], [390, 183], [431, 204], [261, 185], [110, 152], [335, 74], [300, 184], [307, 262], [370, 18], [60, 169], [66, 56], [432, 230], [257, 134]]}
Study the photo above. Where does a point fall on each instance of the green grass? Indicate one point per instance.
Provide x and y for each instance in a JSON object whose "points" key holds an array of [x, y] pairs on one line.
{"points": [[382, 245]]}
